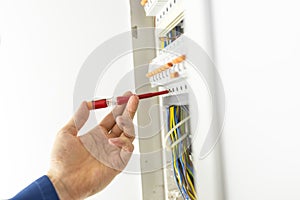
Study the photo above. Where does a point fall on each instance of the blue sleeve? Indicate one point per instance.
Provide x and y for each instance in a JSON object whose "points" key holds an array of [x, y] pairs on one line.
{"points": [[41, 189]]}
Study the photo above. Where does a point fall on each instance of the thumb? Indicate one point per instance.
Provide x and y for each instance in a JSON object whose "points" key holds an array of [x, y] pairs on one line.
{"points": [[78, 119]]}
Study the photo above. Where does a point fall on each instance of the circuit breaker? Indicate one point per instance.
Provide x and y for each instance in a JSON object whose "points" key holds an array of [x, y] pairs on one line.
{"points": [[183, 115]]}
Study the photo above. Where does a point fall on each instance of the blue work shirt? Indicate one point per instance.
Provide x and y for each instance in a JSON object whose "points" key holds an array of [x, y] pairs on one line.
{"points": [[41, 189]]}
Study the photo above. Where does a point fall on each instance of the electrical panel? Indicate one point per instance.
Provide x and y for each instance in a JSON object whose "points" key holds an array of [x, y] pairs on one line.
{"points": [[170, 69]]}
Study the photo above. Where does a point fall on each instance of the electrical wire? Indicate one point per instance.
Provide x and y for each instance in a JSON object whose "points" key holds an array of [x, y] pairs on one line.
{"points": [[181, 154], [177, 141], [174, 128], [175, 163]]}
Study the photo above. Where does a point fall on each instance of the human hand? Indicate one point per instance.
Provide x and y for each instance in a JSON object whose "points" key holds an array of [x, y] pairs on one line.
{"points": [[83, 165]]}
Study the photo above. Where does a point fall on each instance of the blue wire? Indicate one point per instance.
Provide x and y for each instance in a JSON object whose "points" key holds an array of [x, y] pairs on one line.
{"points": [[168, 121], [168, 117], [182, 189], [178, 160], [180, 146], [190, 167], [180, 151]]}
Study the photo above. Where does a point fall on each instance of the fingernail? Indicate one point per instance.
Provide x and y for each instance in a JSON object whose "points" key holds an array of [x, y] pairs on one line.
{"points": [[126, 149], [129, 135], [120, 121], [113, 140]]}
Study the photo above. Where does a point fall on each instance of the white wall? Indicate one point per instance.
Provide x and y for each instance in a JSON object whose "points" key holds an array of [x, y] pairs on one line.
{"points": [[43, 45], [257, 43], [257, 51]]}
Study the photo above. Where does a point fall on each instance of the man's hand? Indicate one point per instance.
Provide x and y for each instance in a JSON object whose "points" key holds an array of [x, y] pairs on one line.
{"points": [[82, 166]]}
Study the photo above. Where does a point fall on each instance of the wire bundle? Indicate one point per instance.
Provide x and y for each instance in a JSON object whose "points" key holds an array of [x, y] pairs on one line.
{"points": [[172, 35], [181, 150]]}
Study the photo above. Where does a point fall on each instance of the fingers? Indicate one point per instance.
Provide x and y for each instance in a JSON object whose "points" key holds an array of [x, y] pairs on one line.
{"points": [[78, 120], [125, 140], [109, 120], [128, 113], [126, 126], [126, 146], [123, 143], [131, 107]]}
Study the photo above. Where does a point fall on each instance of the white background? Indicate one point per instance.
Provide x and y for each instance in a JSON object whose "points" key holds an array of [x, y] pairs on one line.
{"points": [[43, 45], [257, 43], [257, 47]]}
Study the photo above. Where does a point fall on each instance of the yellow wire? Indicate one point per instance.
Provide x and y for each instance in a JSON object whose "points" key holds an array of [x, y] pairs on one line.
{"points": [[189, 179], [173, 123], [174, 150], [174, 138], [170, 122], [162, 44], [191, 195], [190, 182]]}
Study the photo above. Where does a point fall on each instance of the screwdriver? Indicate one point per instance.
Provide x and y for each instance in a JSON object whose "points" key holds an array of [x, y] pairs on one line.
{"points": [[103, 103]]}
